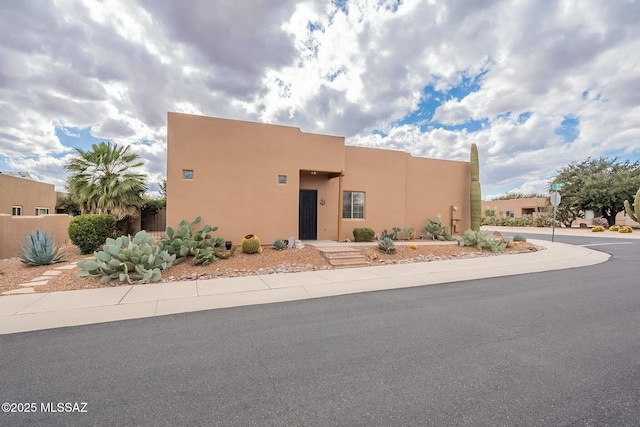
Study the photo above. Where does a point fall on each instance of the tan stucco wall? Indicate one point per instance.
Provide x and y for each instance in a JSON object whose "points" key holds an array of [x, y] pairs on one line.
{"points": [[236, 166], [515, 205], [27, 193], [402, 190], [434, 187], [15, 228]]}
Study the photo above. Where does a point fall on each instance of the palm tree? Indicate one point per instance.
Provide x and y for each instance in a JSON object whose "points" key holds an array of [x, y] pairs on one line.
{"points": [[103, 181]]}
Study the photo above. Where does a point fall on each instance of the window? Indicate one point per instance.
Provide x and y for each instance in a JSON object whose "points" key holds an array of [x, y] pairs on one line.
{"points": [[187, 173], [42, 211], [511, 214], [282, 179], [16, 210], [353, 205]]}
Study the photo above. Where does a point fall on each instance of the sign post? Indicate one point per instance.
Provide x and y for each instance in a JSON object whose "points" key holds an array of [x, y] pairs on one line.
{"points": [[555, 201]]}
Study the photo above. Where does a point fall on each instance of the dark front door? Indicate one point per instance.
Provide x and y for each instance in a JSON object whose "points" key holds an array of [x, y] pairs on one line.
{"points": [[308, 215]]}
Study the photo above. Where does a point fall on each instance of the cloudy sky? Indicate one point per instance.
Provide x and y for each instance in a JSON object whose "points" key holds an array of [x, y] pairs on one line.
{"points": [[536, 84]]}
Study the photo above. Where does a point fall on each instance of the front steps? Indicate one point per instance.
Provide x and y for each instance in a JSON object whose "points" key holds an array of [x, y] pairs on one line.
{"points": [[344, 257]]}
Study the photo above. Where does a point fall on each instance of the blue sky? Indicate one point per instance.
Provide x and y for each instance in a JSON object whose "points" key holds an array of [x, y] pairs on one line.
{"points": [[535, 85]]}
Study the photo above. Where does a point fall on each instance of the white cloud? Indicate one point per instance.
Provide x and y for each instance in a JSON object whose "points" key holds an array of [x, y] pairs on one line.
{"points": [[118, 66]]}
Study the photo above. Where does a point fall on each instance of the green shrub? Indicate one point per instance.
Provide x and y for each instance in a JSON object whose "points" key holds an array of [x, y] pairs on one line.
{"points": [[519, 238], [363, 234], [387, 246], [436, 231], [543, 220], [506, 221], [186, 241], [597, 229], [614, 228], [280, 244], [152, 206], [128, 259], [483, 240], [89, 232], [40, 250]]}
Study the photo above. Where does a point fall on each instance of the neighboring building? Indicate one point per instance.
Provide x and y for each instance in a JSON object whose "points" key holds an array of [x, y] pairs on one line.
{"points": [[20, 195], [516, 208], [277, 181], [534, 206], [27, 205]]}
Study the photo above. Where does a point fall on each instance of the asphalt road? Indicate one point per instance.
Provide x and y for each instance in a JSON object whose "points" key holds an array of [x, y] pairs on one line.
{"points": [[551, 349]]}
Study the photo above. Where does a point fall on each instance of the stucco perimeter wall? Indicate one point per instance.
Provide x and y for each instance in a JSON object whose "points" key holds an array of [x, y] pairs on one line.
{"points": [[27, 193], [15, 228], [235, 167], [402, 190]]}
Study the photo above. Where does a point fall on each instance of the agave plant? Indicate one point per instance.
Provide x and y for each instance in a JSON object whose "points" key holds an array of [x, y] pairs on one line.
{"points": [[40, 249]]}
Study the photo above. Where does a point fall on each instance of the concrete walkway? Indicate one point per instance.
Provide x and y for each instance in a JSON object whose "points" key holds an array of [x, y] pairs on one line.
{"points": [[29, 312]]}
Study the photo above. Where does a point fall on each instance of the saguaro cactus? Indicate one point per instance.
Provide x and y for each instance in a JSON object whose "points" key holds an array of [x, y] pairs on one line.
{"points": [[476, 193], [633, 211]]}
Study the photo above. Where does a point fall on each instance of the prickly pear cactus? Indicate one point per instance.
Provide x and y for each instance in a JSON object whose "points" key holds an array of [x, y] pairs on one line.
{"points": [[633, 211], [476, 193], [251, 244]]}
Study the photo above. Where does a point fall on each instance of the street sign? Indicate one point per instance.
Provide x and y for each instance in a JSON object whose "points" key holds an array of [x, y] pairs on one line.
{"points": [[558, 186], [555, 199]]}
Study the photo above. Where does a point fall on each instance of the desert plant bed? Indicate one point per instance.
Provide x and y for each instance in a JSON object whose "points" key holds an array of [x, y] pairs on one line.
{"points": [[270, 261]]}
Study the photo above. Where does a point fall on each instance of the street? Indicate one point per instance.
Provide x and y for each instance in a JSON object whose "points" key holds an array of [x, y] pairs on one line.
{"points": [[560, 348]]}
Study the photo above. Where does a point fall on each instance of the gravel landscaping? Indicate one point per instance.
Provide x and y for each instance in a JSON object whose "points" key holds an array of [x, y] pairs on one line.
{"points": [[270, 261]]}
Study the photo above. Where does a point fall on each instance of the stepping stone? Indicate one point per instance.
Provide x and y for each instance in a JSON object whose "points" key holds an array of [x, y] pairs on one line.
{"points": [[51, 273], [19, 291], [40, 283], [41, 278], [66, 267]]}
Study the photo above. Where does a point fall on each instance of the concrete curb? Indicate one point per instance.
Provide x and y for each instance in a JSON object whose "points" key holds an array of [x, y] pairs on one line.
{"points": [[32, 312]]}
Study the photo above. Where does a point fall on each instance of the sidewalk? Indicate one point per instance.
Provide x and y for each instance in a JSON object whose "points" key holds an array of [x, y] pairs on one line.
{"points": [[31, 312], [562, 231]]}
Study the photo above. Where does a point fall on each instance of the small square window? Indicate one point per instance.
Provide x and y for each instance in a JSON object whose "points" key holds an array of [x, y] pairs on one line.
{"points": [[187, 173], [282, 179], [16, 210]]}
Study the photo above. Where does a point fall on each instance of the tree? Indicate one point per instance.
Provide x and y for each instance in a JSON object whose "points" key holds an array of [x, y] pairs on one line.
{"points": [[600, 185], [103, 180], [163, 189], [68, 205]]}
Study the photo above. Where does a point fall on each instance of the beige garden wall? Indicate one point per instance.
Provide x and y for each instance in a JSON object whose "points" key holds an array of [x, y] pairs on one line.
{"points": [[15, 228]]}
